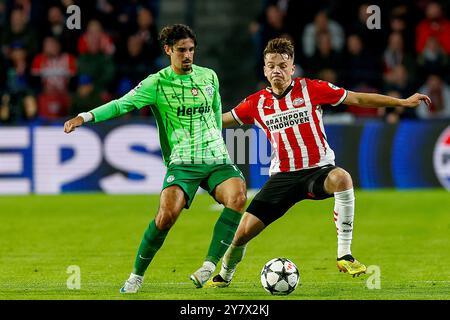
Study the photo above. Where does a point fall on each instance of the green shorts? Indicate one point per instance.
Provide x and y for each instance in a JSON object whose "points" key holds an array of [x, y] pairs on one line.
{"points": [[191, 176]]}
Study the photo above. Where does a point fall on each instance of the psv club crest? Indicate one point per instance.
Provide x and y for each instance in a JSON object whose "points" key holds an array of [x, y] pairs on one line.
{"points": [[194, 92], [298, 102]]}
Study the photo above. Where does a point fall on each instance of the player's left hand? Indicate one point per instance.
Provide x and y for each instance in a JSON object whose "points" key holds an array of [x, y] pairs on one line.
{"points": [[415, 100]]}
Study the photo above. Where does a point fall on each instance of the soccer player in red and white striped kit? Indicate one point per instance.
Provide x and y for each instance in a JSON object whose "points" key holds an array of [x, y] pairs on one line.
{"points": [[302, 165]]}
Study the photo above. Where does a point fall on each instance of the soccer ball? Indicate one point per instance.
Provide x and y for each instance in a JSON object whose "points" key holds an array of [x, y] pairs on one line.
{"points": [[280, 276]]}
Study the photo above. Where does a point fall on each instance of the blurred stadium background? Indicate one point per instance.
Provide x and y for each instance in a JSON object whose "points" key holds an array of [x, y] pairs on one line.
{"points": [[49, 73]]}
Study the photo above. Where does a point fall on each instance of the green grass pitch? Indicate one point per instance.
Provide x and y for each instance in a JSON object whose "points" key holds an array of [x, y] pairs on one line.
{"points": [[405, 234]]}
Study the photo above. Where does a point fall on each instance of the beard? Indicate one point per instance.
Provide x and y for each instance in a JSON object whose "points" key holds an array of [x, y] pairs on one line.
{"points": [[187, 68]]}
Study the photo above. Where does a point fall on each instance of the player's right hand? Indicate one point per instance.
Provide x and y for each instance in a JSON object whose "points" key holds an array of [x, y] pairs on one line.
{"points": [[415, 100], [73, 123]]}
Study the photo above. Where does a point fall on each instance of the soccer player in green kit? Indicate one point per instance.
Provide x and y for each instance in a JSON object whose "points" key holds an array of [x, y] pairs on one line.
{"points": [[186, 103]]}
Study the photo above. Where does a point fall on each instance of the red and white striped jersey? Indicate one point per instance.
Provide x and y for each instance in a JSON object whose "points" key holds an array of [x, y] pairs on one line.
{"points": [[54, 72], [293, 123]]}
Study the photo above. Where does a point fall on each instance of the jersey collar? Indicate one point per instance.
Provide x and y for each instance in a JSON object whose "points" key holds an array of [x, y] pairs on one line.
{"points": [[175, 75], [279, 97]]}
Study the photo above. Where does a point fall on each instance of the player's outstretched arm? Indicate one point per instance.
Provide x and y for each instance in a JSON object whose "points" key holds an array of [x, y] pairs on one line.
{"points": [[72, 124], [144, 94], [228, 120], [374, 100]]}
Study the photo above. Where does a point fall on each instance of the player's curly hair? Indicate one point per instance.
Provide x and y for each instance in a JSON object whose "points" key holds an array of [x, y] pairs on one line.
{"points": [[281, 46], [169, 35]]}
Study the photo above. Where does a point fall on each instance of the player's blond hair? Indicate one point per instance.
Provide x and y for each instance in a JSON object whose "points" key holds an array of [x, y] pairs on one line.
{"points": [[281, 46]]}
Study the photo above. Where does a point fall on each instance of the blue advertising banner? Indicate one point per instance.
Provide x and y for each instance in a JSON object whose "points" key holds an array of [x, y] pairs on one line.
{"points": [[120, 156], [412, 154], [124, 156]]}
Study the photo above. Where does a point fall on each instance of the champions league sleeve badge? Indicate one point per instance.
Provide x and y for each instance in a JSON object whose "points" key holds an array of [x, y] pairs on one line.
{"points": [[332, 86], [209, 91]]}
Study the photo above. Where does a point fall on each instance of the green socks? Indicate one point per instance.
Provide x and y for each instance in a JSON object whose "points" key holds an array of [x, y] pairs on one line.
{"points": [[223, 234], [150, 244], [230, 260]]}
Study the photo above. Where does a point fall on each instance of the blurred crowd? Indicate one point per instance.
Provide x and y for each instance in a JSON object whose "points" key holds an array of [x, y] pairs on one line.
{"points": [[48, 71], [408, 53]]}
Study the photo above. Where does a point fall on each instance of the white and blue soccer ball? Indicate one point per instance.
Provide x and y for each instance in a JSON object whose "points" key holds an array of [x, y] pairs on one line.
{"points": [[280, 276]]}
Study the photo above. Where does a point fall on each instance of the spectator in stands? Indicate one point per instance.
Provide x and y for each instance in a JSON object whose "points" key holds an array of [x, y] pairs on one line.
{"points": [[19, 31], [17, 70], [433, 59], [53, 107], [399, 80], [401, 20], [135, 65], [96, 63], [325, 57], [361, 66], [291, 10], [126, 12], [397, 24], [53, 67], [105, 12], [56, 27], [267, 26], [95, 35], [86, 96], [434, 25], [395, 55], [29, 110], [32, 10], [112, 12], [3, 15], [373, 39], [439, 92], [5, 109], [322, 24], [148, 34]]}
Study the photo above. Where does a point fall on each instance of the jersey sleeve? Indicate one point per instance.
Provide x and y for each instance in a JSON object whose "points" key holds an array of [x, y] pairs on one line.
{"points": [[217, 102], [244, 112], [144, 94], [324, 92]]}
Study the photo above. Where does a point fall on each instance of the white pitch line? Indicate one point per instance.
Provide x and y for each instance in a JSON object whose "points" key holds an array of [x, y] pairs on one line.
{"points": [[312, 283]]}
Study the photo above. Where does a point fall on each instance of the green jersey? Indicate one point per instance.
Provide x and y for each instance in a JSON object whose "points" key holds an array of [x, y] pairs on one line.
{"points": [[188, 114]]}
